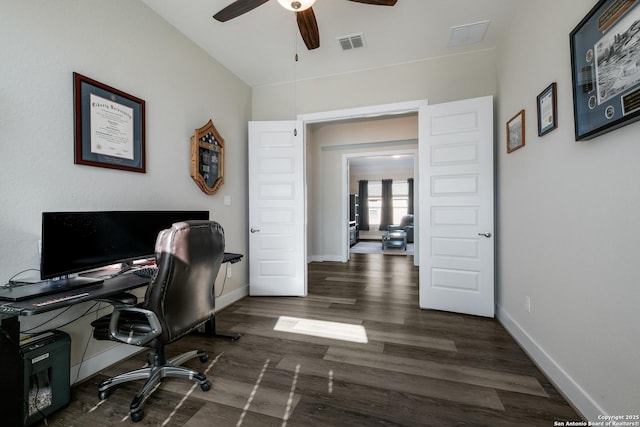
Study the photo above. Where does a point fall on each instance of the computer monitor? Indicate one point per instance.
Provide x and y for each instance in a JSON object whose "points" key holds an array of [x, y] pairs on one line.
{"points": [[73, 242]]}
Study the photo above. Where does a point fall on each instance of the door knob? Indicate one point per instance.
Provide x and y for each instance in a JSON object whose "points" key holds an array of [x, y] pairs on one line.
{"points": [[487, 235], [254, 230]]}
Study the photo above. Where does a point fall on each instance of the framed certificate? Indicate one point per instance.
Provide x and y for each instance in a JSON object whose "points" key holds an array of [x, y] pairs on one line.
{"points": [[109, 126], [547, 110], [605, 67]]}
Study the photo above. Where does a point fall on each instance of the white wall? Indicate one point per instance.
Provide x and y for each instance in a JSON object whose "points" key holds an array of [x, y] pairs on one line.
{"points": [[567, 227], [123, 44], [438, 80]]}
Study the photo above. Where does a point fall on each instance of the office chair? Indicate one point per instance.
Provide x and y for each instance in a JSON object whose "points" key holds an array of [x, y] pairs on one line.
{"points": [[178, 299]]}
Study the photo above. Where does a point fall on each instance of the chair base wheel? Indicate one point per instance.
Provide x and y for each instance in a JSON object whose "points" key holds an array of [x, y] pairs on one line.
{"points": [[102, 395], [205, 386], [204, 358], [137, 415]]}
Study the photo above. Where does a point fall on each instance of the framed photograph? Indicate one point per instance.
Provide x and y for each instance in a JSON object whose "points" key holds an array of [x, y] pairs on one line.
{"points": [[547, 110], [605, 67], [515, 132], [109, 126]]}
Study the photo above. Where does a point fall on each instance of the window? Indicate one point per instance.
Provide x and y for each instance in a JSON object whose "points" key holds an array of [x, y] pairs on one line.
{"points": [[375, 203], [400, 192]]}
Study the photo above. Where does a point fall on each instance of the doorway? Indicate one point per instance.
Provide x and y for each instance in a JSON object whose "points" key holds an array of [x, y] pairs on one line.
{"points": [[327, 235], [397, 165], [456, 148]]}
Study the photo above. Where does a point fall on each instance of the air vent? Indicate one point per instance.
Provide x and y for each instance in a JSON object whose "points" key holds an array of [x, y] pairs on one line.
{"points": [[351, 42], [468, 34]]}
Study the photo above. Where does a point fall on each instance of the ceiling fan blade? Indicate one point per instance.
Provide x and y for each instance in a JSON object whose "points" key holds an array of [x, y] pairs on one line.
{"points": [[308, 27], [377, 2], [237, 8]]}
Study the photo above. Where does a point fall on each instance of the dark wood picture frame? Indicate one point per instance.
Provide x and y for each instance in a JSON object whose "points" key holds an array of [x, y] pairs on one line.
{"points": [[207, 158], [547, 110], [109, 126], [605, 51], [515, 132]]}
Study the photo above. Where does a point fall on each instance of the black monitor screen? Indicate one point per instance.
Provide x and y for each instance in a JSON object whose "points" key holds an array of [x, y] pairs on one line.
{"points": [[79, 241]]}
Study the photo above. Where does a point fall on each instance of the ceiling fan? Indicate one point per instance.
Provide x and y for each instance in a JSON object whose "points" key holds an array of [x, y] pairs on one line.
{"points": [[304, 15]]}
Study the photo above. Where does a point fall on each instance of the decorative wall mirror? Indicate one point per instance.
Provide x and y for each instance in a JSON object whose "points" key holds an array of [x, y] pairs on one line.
{"points": [[207, 158]]}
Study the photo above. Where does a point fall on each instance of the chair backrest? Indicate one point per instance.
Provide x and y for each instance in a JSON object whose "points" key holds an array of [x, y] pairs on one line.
{"points": [[406, 220], [182, 295]]}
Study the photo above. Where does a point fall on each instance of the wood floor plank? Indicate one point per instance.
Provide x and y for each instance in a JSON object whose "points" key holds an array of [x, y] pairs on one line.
{"points": [[468, 375], [414, 384], [417, 367]]}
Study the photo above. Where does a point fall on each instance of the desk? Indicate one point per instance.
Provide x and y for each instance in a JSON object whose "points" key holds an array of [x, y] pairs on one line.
{"points": [[11, 367]]}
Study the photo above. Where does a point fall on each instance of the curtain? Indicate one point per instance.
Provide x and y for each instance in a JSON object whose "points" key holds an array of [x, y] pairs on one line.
{"points": [[410, 197], [363, 201], [386, 211]]}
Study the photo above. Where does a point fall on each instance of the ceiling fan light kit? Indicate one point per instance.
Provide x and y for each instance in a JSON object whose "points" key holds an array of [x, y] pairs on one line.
{"points": [[296, 6]]}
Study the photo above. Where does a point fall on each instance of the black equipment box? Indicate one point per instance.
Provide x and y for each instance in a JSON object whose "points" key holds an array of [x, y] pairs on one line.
{"points": [[46, 363]]}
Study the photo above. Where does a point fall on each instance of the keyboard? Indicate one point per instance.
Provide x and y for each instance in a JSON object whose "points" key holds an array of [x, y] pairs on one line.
{"points": [[60, 299], [148, 272]]}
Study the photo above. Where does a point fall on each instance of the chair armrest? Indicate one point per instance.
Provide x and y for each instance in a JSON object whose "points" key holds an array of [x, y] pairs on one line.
{"points": [[121, 299], [132, 337], [395, 228]]}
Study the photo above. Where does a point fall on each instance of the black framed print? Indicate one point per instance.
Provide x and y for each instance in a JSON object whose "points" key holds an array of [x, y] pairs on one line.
{"points": [[547, 110], [109, 126], [605, 67]]}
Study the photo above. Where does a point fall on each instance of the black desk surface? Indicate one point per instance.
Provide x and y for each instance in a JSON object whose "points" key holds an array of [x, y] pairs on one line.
{"points": [[112, 286]]}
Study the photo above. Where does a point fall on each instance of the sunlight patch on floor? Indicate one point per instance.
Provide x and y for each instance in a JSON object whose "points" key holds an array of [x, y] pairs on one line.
{"points": [[322, 329]]}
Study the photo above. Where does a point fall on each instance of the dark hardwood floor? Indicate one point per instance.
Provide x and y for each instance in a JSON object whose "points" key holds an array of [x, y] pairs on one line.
{"points": [[356, 352]]}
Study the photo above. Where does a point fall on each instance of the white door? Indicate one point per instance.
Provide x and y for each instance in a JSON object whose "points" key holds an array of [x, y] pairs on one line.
{"points": [[456, 207], [277, 248]]}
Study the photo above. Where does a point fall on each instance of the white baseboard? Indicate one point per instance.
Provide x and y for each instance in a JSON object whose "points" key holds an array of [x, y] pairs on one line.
{"points": [[231, 297], [97, 363], [572, 391], [323, 258]]}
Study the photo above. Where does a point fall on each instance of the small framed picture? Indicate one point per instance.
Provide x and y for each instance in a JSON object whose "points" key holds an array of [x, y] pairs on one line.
{"points": [[547, 110], [515, 132]]}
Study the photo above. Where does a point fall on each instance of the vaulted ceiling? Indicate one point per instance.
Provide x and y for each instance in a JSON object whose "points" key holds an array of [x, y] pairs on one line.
{"points": [[260, 45]]}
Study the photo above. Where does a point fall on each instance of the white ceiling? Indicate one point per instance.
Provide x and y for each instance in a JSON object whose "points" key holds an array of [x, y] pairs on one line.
{"points": [[259, 46]]}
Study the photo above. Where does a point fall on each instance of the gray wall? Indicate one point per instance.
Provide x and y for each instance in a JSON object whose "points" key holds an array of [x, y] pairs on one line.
{"points": [[123, 44], [567, 227]]}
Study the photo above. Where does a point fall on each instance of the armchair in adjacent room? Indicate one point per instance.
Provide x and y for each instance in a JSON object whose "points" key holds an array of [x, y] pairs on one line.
{"points": [[179, 298], [406, 225]]}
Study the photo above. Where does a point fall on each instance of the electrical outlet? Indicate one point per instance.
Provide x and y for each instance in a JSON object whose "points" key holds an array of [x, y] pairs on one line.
{"points": [[527, 304], [229, 272]]}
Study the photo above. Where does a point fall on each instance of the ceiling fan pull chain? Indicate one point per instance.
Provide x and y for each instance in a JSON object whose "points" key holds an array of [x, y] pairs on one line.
{"points": [[295, 77]]}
